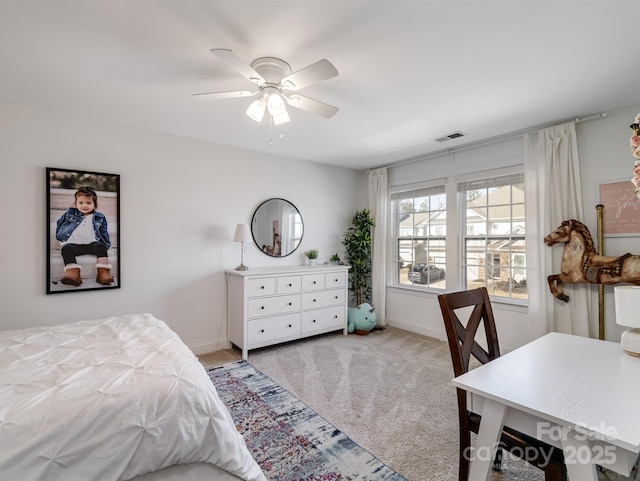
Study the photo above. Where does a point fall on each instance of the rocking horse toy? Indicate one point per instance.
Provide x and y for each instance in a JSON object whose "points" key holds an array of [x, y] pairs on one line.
{"points": [[581, 263]]}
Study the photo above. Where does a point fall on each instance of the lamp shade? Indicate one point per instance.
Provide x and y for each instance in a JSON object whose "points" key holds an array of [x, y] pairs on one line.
{"points": [[275, 104], [243, 233], [627, 301], [281, 118], [256, 110]]}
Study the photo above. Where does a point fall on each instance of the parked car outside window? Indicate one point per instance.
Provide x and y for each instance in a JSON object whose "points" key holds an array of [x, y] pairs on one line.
{"points": [[425, 274]]}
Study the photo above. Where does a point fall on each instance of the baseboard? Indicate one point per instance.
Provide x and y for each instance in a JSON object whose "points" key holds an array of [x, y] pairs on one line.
{"points": [[209, 346], [217, 345], [435, 334]]}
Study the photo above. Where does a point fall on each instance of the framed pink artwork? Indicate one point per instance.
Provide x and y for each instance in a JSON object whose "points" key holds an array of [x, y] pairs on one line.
{"points": [[621, 214]]}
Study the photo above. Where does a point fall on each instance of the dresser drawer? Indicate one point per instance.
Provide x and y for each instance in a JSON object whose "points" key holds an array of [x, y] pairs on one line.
{"points": [[312, 282], [289, 284], [263, 286], [268, 329], [333, 280], [269, 306], [312, 300], [322, 319]]}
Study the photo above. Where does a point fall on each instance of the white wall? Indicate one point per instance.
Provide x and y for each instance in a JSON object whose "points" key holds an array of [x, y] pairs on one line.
{"points": [[180, 202], [605, 157], [603, 147]]}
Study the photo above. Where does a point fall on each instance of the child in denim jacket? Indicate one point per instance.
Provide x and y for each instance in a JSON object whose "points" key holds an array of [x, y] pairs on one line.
{"points": [[83, 230]]}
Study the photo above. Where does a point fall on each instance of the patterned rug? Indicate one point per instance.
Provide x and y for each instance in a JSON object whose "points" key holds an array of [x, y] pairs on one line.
{"points": [[289, 440]]}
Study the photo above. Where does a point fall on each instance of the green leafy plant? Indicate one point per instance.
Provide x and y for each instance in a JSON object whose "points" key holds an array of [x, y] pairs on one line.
{"points": [[311, 254], [335, 259], [357, 242]]}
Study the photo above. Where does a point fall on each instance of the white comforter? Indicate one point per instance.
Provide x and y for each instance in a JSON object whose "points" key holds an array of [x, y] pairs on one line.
{"points": [[109, 400]]}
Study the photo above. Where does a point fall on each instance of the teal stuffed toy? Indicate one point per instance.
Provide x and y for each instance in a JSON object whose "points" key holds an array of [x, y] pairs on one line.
{"points": [[362, 319]]}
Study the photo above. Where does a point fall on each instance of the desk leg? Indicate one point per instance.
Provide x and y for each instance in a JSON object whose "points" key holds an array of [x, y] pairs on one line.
{"points": [[576, 449], [493, 415]]}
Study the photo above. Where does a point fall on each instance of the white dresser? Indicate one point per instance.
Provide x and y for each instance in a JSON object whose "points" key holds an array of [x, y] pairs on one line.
{"points": [[272, 305]]}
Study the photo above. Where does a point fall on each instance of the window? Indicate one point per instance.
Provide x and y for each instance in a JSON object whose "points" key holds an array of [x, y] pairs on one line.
{"points": [[493, 250], [487, 217], [420, 235]]}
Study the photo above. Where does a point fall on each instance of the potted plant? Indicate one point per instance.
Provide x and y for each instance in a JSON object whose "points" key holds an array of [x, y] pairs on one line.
{"points": [[358, 243], [312, 255]]}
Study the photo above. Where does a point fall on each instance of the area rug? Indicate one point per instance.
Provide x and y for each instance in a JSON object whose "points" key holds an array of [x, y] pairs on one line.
{"points": [[289, 440]]}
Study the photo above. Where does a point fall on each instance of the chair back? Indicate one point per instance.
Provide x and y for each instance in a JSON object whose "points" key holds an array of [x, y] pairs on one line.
{"points": [[463, 344], [462, 338]]}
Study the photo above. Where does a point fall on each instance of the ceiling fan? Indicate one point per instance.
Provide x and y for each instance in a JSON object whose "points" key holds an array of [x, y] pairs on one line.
{"points": [[274, 80]]}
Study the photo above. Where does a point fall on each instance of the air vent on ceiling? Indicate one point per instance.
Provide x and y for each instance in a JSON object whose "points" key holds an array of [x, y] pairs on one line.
{"points": [[452, 136]]}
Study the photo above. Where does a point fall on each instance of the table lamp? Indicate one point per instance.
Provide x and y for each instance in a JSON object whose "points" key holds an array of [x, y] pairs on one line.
{"points": [[243, 234], [627, 301]]}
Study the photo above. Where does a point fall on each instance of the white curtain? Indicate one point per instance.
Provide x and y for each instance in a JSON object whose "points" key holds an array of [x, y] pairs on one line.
{"points": [[379, 205], [554, 194]]}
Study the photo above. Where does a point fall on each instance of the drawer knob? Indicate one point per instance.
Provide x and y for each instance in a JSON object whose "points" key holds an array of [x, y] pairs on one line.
{"points": [[261, 287], [261, 330], [289, 303], [313, 320], [261, 307], [336, 280], [290, 325], [314, 282], [290, 284], [336, 297], [335, 317], [314, 300]]}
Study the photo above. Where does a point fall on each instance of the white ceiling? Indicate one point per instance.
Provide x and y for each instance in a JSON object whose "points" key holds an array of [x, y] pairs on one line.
{"points": [[409, 71]]}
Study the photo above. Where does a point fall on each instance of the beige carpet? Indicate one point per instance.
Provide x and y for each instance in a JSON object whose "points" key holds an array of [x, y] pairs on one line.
{"points": [[389, 391]]}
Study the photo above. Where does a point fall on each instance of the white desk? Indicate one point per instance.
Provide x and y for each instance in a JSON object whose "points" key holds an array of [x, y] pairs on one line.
{"points": [[572, 392]]}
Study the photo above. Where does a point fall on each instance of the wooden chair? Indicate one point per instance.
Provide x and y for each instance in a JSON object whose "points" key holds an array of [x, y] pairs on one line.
{"points": [[463, 344]]}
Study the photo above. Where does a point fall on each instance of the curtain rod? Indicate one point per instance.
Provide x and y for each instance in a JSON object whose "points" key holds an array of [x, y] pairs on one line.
{"points": [[491, 140]]}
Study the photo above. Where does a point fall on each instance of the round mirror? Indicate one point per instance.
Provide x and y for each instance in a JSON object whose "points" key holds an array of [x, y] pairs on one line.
{"points": [[277, 227]]}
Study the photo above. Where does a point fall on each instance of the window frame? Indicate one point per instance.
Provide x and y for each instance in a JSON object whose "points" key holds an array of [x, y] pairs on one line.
{"points": [[502, 276], [454, 231], [436, 187]]}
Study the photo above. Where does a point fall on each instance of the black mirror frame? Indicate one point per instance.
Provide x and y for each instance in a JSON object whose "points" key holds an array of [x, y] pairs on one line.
{"points": [[269, 249]]}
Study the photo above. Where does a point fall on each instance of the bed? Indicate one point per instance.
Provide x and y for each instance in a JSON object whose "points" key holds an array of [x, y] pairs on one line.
{"points": [[113, 399]]}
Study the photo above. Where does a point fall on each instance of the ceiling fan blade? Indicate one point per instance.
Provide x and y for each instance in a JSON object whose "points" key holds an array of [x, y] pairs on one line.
{"points": [[238, 64], [310, 105], [314, 73], [233, 94]]}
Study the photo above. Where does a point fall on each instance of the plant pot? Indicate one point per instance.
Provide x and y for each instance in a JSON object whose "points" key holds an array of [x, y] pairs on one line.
{"points": [[312, 262]]}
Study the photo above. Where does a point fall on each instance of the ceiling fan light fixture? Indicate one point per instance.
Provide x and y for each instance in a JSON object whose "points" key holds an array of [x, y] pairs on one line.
{"points": [[275, 104], [256, 110], [281, 118]]}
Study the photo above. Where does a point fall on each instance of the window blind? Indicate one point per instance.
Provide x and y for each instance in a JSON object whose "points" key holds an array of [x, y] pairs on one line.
{"points": [[491, 182], [419, 192]]}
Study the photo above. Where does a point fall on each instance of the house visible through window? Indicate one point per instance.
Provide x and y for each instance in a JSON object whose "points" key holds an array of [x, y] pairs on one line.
{"points": [[491, 237], [420, 226], [493, 251]]}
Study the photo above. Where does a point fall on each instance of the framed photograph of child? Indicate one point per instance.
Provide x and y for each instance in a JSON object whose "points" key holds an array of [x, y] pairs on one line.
{"points": [[83, 231]]}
